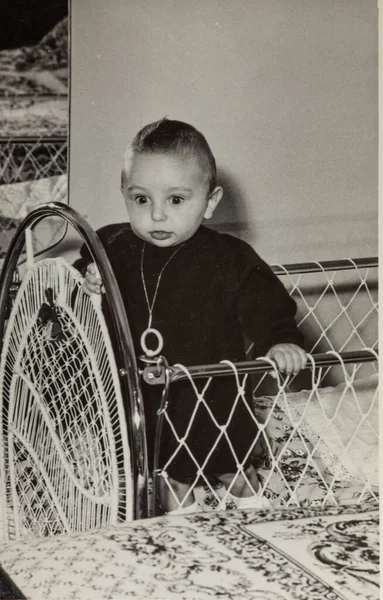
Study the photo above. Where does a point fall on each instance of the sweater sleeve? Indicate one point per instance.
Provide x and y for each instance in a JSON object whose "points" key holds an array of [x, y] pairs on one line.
{"points": [[265, 309]]}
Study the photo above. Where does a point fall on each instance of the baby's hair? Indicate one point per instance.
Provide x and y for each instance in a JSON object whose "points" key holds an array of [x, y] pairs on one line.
{"points": [[167, 136]]}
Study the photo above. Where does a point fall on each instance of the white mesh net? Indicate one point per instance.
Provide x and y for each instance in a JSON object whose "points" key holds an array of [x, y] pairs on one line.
{"points": [[31, 172], [317, 442], [317, 446], [337, 308], [65, 459], [31, 159]]}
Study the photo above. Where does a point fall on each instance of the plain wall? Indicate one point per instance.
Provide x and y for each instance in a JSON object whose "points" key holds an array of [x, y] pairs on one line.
{"points": [[284, 90]]}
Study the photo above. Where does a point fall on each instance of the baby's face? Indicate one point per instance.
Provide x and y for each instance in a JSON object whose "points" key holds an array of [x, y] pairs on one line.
{"points": [[167, 197]]}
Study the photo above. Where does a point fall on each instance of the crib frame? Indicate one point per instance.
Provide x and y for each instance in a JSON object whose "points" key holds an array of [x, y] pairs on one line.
{"points": [[159, 372]]}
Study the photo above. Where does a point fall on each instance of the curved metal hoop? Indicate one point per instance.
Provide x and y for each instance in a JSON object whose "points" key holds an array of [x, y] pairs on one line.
{"points": [[125, 357]]}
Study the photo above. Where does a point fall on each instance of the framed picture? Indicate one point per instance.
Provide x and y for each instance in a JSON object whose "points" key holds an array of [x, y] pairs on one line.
{"points": [[34, 119]]}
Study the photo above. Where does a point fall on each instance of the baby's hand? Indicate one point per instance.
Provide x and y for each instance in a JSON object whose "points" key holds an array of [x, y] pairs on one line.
{"points": [[290, 358], [92, 283]]}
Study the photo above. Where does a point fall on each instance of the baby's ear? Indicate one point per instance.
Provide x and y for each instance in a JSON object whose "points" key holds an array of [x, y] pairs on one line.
{"points": [[213, 201]]}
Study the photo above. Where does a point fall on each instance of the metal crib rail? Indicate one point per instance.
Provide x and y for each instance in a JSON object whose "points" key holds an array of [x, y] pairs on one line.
{"points": [[155, 376], [326, 265]]}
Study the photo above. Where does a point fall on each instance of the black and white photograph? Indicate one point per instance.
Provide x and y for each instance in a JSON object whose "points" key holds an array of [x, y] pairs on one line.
{"points": [[189, 399]]}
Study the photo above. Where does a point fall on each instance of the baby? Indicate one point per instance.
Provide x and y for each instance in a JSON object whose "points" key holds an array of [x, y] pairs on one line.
{"points": [[202, 290]]}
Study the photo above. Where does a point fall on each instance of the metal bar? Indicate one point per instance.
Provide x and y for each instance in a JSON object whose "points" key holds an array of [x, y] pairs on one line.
{"points": [[125, 356], [261, 366], [33, 139], [326, 265]]}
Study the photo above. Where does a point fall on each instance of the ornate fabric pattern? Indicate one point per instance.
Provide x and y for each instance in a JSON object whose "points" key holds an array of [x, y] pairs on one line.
{"points": [[302, 478], [290, 554]]}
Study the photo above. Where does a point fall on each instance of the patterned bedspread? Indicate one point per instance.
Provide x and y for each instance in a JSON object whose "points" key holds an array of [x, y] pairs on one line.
{"points": [[311, 553]]}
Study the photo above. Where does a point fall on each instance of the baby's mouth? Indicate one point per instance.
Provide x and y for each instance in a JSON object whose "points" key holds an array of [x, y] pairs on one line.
{"points": [[160, 235]]}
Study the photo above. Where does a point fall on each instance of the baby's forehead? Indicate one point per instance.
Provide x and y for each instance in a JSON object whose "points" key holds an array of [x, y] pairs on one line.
{"points": [[146, 164], [183, 157]]}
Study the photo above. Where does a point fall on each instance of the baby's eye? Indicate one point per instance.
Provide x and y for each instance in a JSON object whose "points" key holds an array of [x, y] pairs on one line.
{"points": [[176, 200], [141, 199]]}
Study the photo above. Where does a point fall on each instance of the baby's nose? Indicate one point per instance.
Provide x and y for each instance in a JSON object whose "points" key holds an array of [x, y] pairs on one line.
{"points": [[158, 213]]}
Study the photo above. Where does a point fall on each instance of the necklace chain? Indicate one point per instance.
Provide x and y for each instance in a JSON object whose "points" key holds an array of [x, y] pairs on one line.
{"points": [[151, 305]]}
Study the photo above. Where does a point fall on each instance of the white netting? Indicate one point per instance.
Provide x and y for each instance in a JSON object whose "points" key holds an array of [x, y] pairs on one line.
{"points": [[337, 309], [318, 446], [30, 159], [66, 462]]}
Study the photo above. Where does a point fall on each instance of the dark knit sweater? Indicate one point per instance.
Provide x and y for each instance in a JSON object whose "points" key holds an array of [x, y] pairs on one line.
{"points": [[214, 290]]}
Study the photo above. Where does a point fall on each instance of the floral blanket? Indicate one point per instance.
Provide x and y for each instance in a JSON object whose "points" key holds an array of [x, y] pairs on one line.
{"points": [[290, 554]]}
